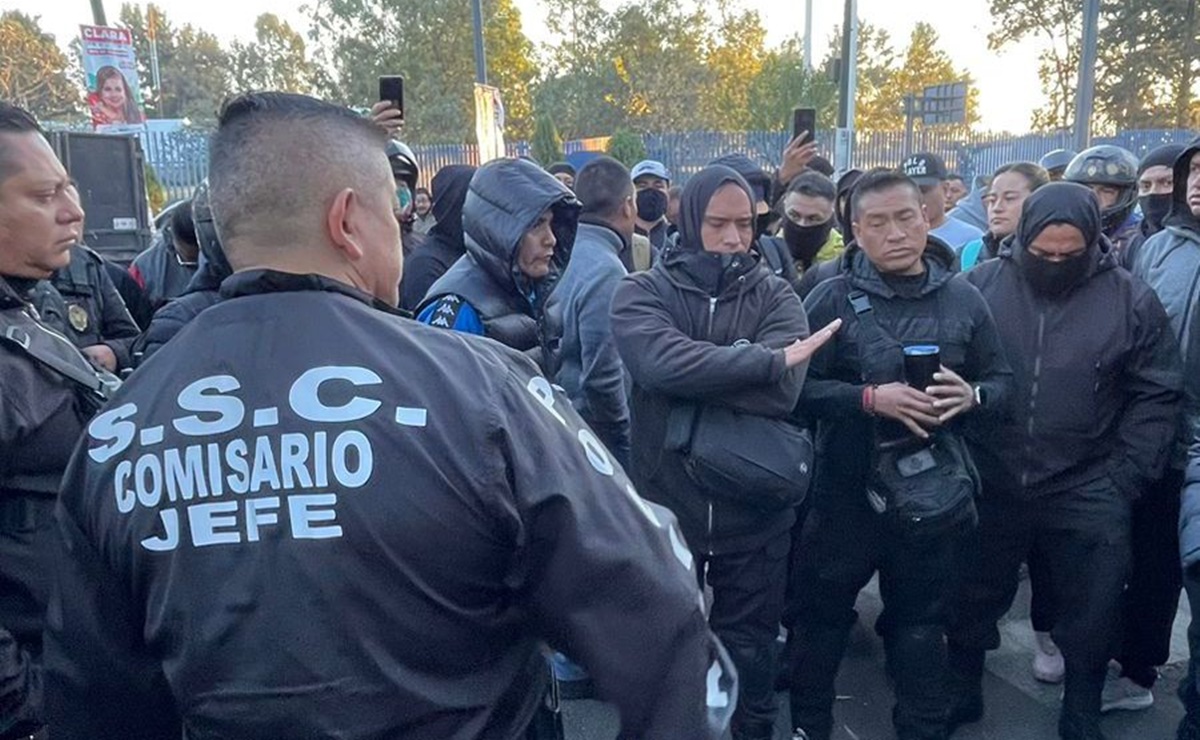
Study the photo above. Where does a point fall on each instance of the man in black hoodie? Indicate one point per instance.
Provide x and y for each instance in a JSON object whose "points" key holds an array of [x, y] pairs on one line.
{"points": [[709, 324], [1156, 186], [1097, 397], [898, 289], [443, 245]]}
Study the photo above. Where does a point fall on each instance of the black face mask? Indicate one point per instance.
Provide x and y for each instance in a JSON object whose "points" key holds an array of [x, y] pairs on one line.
{"points": [[805, 241], [1156, 208], [1054, 278], [651, 205]]}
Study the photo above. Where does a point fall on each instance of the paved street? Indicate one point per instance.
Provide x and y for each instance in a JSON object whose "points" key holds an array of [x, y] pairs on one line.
{"points": [[1018, 707]]}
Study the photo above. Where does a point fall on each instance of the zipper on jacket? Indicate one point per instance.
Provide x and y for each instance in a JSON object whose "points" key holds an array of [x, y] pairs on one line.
{"points": [[712, 310], [1033, 394]]}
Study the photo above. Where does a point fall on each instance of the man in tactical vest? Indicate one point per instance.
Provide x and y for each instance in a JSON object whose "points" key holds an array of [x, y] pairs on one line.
{"points": [[47, 391]]}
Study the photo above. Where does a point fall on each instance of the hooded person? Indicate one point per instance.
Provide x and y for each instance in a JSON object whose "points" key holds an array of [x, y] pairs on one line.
{"points": [[203, 291], [1155, 178], [444, 243], [709, 322], [774, 250], [1170, 262], [1097, 395], [564, 173], [519, 224], [970, 209]]}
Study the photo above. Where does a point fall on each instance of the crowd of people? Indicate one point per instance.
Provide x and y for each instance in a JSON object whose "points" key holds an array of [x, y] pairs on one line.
{"points": [[343, 456]]}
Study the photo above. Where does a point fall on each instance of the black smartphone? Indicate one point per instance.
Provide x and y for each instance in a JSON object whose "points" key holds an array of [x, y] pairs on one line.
{"points": [[391, 89], [804, 120]]}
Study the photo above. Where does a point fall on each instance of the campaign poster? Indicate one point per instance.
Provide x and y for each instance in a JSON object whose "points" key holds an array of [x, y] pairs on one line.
{"points": [[489, 123], [110, 68]]}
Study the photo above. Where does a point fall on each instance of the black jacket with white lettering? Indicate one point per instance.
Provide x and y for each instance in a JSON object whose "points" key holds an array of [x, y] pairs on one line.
{"points": [[274, 532]]}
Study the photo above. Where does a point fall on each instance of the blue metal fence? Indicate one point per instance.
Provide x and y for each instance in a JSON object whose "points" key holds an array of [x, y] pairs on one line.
{"points": [[180, 158]]}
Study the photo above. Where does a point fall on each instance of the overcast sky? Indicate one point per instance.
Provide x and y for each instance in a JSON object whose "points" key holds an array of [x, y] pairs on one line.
{"points": [[1008, 84]]}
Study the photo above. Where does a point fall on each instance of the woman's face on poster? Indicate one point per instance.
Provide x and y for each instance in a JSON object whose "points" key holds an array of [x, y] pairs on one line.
{"points": [[113, 92]]}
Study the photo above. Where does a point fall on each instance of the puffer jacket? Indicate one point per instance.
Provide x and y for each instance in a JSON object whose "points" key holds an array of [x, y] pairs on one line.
{"points": [[505, 199]]}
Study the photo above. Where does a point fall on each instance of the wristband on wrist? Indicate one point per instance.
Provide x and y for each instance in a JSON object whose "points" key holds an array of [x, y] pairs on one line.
{"points": [[868, 399]]}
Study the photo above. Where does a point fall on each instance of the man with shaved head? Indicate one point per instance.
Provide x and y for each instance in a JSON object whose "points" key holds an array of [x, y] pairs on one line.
{"points": [[280, 529]]}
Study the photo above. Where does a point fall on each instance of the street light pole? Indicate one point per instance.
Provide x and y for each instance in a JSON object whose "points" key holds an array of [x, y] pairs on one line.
{"points": [[844, 144], [808, 35], [480, 59], [98, 13], [1085, 99]]}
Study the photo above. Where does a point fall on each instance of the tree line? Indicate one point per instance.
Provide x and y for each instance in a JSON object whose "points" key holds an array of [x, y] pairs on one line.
{"points": [[646, 66]]}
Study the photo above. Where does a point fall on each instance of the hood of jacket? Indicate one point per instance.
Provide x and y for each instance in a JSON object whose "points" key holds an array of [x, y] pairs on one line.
{"points": [[688, 264], [1062, 203], [450, 186], [1181, 216], [941, 264], [504, 200], [970, 210]]}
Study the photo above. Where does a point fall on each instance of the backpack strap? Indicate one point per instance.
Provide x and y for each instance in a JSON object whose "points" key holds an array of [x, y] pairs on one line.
{"points": [[39, 343]]}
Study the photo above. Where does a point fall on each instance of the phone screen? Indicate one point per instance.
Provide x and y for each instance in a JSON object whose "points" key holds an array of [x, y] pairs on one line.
{"points": [[391, 89], [804, 119]]}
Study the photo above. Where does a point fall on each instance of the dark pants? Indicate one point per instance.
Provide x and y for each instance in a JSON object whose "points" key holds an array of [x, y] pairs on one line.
{"points": [[846, 547], [1085, 535], [1189, 688], [1041, 599], [748, 590], [1151, 599]]}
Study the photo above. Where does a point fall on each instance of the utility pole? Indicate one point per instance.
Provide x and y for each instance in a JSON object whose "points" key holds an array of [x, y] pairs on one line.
{"points": [[152, 32], [844, 144], [98, 13], [1085, 98], [480, 59], [808, 35]]}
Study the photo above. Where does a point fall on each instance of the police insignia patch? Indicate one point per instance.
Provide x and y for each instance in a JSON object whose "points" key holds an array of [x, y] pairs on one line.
{"points": [[78, 316]]}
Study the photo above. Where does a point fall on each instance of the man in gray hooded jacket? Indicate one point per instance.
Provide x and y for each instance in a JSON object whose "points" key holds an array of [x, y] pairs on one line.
{"points": [[1170, 262]]}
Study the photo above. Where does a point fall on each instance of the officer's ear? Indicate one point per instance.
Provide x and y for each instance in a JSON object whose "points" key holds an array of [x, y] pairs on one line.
{"points": [[341, 223]]}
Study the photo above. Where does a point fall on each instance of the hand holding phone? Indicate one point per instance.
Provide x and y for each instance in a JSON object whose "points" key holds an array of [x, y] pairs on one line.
{"points": [[391, 90], [804, 122]]}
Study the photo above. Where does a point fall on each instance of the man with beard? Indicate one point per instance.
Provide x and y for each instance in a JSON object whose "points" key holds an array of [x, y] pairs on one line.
{"points": [[443, 244], [709, 325], [1097, 394]]}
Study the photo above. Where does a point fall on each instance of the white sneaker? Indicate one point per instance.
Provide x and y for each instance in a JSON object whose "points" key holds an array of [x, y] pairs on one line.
{"points": [[1048, 666], [1122, 694], [798, 734]]}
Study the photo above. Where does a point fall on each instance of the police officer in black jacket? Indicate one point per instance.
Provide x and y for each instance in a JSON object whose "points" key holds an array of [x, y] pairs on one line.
{"points": [[710, 324], [42, 411], [309, 516], [1098, 394], [859, 398], [96, 318]]}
